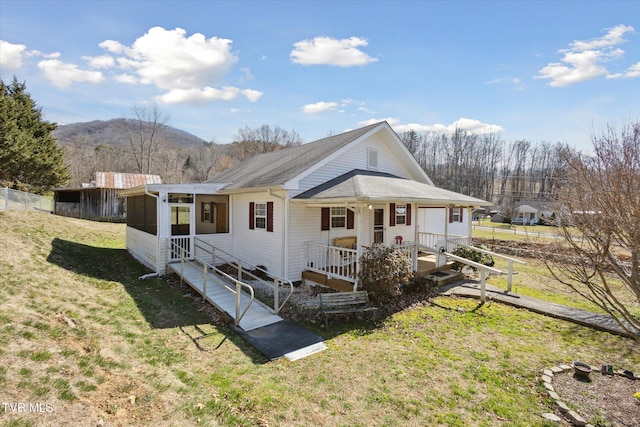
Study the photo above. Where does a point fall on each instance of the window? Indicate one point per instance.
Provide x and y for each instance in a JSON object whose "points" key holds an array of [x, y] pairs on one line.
{"points": [[180, 198], [372, 159], [338, 217], [401, 214], [455, 215], [261, 215]]}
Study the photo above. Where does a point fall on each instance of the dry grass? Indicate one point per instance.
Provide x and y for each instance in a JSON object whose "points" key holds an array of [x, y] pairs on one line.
{"points": [[80, 332]]}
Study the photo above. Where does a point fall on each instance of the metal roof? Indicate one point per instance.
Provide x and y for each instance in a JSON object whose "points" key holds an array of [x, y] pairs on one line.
{"points": [[119, 180]]}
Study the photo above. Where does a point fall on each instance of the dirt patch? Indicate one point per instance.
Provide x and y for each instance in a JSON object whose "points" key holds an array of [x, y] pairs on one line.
{"points": [[601, 400]]}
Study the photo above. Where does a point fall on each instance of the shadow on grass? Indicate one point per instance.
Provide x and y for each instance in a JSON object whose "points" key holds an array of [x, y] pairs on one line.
{"points": [[161, 305]]}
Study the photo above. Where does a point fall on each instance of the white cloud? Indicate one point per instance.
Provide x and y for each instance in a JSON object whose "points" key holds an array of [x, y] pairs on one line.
{"points": [[319, 107], [11, 55], [472, 126], [198, 96], [584, 59], [125, 78], [186, 68], [329, 51], [103, 61], [63, 75]]}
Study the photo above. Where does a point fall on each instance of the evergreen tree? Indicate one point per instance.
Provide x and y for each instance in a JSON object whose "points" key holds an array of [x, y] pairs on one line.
{"points": [[30, 158]]}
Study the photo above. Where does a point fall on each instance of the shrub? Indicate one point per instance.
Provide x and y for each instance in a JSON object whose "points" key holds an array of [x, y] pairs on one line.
{"points": [[383, 272], [472, 255]]}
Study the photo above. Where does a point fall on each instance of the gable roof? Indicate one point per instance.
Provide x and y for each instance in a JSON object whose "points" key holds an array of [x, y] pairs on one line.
{"points": [[364, 185], [279, 167]]}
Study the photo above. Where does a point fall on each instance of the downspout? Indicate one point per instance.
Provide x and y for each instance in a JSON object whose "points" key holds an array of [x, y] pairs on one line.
{"points": [[285, 243], [146, 276]]}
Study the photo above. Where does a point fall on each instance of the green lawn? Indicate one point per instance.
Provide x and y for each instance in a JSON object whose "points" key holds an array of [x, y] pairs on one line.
{"points": [[80, 332]]}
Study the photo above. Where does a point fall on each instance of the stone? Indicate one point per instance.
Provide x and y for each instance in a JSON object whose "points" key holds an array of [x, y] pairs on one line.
{"points": [[562, 406], [548, 372], [557, 369], [554, 395], [549, 387], [576, 419], [551, 417], [566, 367], [546, 378]]}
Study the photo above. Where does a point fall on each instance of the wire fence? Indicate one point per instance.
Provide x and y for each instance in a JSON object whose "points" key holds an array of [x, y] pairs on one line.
{"points": [[21, 201]]}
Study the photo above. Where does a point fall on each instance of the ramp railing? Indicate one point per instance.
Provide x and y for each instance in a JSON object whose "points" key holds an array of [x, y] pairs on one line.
{"points": [[205, 252]]}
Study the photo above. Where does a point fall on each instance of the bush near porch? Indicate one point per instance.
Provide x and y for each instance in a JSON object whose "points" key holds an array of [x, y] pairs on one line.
{"points": [[383, 272]]}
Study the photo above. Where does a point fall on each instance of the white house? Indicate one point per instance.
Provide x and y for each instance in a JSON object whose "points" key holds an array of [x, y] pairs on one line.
{"points": [[530, 213], [290, 210]]}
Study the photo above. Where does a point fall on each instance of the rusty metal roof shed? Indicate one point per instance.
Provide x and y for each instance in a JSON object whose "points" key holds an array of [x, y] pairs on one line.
{"points": [[121, 181]]}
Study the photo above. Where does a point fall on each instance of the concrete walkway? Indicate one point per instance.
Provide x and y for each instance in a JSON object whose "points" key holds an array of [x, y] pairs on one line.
{"points": [[597, 321]]}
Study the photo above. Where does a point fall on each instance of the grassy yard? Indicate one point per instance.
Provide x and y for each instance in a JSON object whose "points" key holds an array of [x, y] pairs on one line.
{"points": [[82, 336]]}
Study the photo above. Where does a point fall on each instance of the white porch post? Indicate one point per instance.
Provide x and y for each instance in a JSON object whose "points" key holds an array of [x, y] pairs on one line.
{"points": [[470, 227]]}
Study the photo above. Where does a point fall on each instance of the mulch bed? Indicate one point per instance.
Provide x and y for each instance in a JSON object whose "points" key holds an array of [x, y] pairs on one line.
{"points": [[601, 400]]}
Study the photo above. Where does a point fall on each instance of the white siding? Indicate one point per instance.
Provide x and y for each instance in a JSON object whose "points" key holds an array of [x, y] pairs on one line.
{"points": [[355, 158], [433, 220], [143, 247], [258, 246], [304, 226]]}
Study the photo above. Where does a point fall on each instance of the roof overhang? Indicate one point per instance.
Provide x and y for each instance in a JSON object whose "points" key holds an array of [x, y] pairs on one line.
{"points": [[369, 187], [200, 188]]}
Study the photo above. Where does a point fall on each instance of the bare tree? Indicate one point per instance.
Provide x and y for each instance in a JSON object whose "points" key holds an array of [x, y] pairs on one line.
{"points": [[602, 202], [145, 133], [250, 142], [203, 162]]}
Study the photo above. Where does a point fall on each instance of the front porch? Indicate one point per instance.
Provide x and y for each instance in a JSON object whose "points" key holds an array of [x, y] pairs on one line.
{"points": [[337, 265]]}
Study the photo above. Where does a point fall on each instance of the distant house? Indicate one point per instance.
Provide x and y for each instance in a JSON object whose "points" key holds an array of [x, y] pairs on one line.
{"points": [[99, 200], [531, 213]]}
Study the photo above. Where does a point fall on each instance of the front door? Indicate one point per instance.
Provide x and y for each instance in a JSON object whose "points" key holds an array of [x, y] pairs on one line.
{"points": [[378, 225], [181, 241]]}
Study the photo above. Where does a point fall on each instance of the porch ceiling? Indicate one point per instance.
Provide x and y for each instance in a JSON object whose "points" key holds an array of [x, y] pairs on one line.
{"points": [[366, 186]]}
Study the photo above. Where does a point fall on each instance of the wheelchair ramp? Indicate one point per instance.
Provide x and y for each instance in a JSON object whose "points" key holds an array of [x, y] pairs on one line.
{"points": [[286, 338]]}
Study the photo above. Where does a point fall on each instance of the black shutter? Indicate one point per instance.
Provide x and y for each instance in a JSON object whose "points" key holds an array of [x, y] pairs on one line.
{"points": [[270, 216], [392, 214], [252, 215], [326, 219], [408, 214], [350, 219]]}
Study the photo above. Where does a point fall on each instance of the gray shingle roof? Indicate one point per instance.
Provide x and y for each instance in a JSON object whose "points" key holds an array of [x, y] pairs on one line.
{"points": [[361, 185], [278, 167]]}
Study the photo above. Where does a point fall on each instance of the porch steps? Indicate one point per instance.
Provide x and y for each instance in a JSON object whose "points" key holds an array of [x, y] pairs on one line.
{"points": [[221, 297], [337, 284]]}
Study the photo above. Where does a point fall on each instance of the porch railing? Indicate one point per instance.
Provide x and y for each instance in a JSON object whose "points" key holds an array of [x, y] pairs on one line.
{"points": [[206, 253], [432, 240], [176, 246], [235, 286], [333, 261]]}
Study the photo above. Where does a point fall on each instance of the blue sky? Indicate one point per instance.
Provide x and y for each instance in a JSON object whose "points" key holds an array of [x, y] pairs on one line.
{"points": [[554, 71]]}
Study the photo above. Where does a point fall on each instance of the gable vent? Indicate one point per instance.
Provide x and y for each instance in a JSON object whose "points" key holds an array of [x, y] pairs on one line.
{"points": [[372, 159]]}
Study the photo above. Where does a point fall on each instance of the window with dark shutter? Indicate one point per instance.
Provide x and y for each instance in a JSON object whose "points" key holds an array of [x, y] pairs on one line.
{"points": [[409, 214], [252, 215]]}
